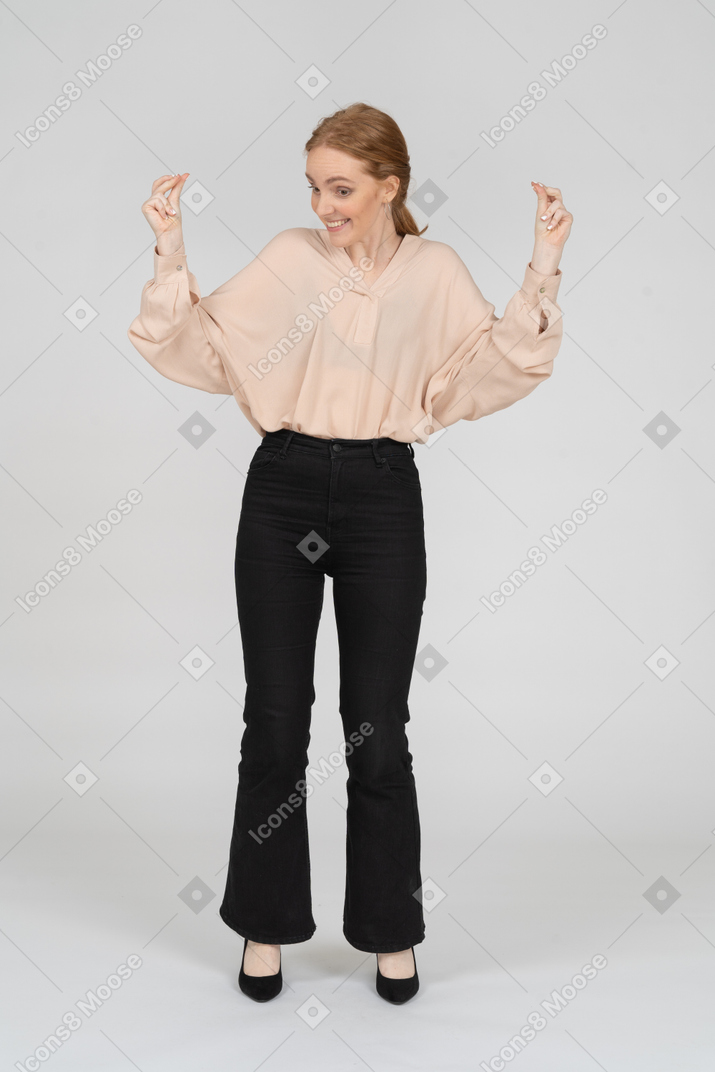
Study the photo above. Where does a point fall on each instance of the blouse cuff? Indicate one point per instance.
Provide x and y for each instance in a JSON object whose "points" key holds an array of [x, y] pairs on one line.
{"points": [[169, 269], [540, 292], [536, 286]]}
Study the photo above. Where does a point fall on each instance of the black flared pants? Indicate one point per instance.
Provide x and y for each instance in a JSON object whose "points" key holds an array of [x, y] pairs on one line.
{"points": [[351, 509]]}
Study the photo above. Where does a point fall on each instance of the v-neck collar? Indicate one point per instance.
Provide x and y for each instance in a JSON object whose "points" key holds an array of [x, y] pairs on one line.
{"points": [[341, 257]]}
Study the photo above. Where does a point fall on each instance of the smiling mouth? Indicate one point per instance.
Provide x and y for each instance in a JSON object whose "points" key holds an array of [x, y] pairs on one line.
{"points": [[335, 225]]}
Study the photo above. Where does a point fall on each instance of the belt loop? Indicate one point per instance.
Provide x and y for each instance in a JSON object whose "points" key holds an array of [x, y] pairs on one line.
{"points": [[376, 456], [412, 449], [284, 448]]}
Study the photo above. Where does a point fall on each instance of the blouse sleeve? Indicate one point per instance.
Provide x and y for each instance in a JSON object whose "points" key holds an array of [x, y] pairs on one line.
{"points": [[176, 331], [494, 362]]}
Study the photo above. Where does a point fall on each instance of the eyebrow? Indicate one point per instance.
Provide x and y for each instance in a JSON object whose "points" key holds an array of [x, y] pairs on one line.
{"points": [[335, 178]]}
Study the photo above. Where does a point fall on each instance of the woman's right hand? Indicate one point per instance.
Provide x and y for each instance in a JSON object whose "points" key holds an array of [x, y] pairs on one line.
{"points": [[164, 214]]}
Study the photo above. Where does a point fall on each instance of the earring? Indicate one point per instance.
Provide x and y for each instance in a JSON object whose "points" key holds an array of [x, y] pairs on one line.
{"points": [[386, 205]]}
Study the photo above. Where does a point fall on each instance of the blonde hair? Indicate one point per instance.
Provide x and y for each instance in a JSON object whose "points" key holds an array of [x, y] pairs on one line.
{"points": [[374, 138]]}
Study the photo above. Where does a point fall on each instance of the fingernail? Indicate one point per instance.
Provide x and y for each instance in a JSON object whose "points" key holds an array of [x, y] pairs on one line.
{"points": [[543, 217], [172, 211]]}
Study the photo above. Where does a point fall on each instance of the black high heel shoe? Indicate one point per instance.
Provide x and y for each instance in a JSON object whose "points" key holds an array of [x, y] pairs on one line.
{"points": [[259, 987], [397, 990]]}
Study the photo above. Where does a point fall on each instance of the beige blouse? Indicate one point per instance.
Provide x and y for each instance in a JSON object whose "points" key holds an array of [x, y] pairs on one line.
{"points": [[302, 342]]}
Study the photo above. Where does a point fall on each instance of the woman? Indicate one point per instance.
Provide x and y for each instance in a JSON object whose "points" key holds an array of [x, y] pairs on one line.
{"points": [[342, 345]]}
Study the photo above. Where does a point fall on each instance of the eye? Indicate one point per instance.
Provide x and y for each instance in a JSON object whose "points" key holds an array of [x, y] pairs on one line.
{"points": [[342, 189]]}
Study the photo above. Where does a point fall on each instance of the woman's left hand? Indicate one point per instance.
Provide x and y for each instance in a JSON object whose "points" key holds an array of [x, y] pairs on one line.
{"points": [[553, 221]]}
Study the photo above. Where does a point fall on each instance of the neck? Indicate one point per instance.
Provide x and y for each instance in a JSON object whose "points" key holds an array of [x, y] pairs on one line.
{"points": [[379, 248]]}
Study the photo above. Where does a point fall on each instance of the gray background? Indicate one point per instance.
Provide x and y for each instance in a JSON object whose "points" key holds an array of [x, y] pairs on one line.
{"points": [[527, 886]]}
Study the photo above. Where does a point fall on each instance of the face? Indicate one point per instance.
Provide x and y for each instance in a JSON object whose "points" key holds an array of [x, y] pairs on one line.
{"points": [[343, 191]]}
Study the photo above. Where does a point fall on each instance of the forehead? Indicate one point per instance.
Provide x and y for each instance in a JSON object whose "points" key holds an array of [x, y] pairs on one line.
{"points": [[324, 161]]}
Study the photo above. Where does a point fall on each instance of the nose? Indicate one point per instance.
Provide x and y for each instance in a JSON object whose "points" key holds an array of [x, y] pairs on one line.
{"points": [[325, 208]]}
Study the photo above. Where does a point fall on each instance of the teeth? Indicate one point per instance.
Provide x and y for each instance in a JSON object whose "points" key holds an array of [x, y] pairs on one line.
{"points": [[337, 223]]}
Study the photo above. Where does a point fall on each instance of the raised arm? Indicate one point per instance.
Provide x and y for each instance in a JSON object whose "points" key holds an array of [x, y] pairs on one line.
{"points": [[496, 361], [173, 331], [490, 362]]}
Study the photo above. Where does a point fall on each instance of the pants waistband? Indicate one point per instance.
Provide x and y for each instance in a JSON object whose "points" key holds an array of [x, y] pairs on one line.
{"points": [[379, 447]]}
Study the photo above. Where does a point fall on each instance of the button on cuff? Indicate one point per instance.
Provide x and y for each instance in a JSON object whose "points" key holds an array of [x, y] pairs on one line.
{"points": [[167, 267]]}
